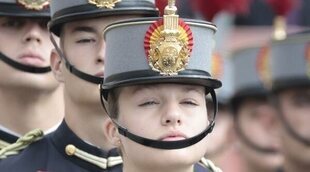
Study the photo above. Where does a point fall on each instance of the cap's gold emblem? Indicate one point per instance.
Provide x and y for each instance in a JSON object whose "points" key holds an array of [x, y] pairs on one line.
{"points": [[34, 4], [168, 43], [307, 56], [104, 3], [263, 66]]}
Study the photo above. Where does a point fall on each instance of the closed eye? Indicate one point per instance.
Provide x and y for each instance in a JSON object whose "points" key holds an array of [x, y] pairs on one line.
{"points": [[148, 103], [189, 102], [13, 23], [86, 41]]}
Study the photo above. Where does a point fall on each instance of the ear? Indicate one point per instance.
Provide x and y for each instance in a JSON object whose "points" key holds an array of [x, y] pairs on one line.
{"points": [[56, 63], [111, 133]]}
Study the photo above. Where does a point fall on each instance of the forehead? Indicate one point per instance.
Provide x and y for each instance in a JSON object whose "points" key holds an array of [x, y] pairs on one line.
{"points": [[99, 24]]}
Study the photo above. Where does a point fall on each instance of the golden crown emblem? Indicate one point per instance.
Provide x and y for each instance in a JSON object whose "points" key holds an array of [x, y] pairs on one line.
{"points": [[104, 3], [34, 4], [168, 43]]}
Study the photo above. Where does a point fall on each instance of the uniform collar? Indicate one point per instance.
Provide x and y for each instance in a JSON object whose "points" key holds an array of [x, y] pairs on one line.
{"points": [[64, 136], [6, 137]]}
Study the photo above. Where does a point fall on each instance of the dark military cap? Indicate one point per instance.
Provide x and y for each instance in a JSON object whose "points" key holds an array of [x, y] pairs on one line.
{"points": [[64, 11], [25, 8], [148, 59], [290, 61], [249, 71]]}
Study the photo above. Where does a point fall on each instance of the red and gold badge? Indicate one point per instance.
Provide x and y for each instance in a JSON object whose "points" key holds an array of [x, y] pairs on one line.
{"points": [[104, 3], [307, 56], [217, 66], [263, 66], [34, 4], [168, 53]]}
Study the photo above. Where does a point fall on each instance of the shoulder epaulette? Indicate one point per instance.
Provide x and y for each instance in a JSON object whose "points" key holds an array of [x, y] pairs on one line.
{"points": [[21, 143], [209, 165]]}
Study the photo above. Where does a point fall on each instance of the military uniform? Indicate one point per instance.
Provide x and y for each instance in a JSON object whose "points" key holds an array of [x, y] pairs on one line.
{"points": [[161, 50], [50, 154]]}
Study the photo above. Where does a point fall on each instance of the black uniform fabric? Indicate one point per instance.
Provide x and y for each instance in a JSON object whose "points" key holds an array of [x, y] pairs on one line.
{"points": [[8, 138], [48, 155], [200, 168]]}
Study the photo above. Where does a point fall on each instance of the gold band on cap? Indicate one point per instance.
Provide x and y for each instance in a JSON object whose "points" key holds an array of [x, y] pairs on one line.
{"points": [[34, 4], [104, 3]]}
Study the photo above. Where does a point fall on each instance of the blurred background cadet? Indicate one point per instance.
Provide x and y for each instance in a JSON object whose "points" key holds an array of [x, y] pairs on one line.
{"points": [[290, 83], [254, 116], [30, 96], [222, 141]]}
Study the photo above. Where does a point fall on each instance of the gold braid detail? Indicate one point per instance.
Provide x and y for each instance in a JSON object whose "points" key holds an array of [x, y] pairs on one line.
{"points": [[3, 144], [103, 163], [21, 143], [210, 165]]}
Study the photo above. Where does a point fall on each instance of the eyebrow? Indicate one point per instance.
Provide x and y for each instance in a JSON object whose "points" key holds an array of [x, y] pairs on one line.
{"points": [[84, 29], [185, 89], [141, 87], [195, 89]]}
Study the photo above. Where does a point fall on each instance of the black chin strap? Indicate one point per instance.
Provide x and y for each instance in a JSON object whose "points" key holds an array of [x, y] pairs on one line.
{"points": [[291, 131], [73, 70], [167, 144], [250, 143], [22, 67]]}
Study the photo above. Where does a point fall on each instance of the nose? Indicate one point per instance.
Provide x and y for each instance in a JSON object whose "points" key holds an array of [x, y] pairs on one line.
{"points": [[33, 33], [268, 117], [171, 114], [101, 53]]}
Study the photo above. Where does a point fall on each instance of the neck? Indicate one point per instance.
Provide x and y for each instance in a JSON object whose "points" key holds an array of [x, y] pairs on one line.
{"points": [[129, 166], [24, 110], [87, 120]]}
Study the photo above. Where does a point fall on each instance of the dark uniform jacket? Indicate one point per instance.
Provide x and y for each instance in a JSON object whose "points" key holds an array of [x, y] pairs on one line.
{"points": [[48, 155], [6, 138]]}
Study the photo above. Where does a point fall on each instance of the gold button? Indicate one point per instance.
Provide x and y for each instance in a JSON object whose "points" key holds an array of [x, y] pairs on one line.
{"points": [[70, 150]]}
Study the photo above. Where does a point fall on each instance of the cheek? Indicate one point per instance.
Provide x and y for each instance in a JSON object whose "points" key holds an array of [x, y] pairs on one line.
{"points": [[198, 121], [11, 44], [80, 57], [136, 123]]}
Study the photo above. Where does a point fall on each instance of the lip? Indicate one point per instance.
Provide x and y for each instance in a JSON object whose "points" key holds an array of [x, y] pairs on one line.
{"points": [[99, 74], [32, 59], [173, 136]]}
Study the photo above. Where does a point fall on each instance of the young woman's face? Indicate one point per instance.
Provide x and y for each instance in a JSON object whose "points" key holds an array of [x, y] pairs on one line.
{"points": [[166, 112], [295, 108], [26, 41]]}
